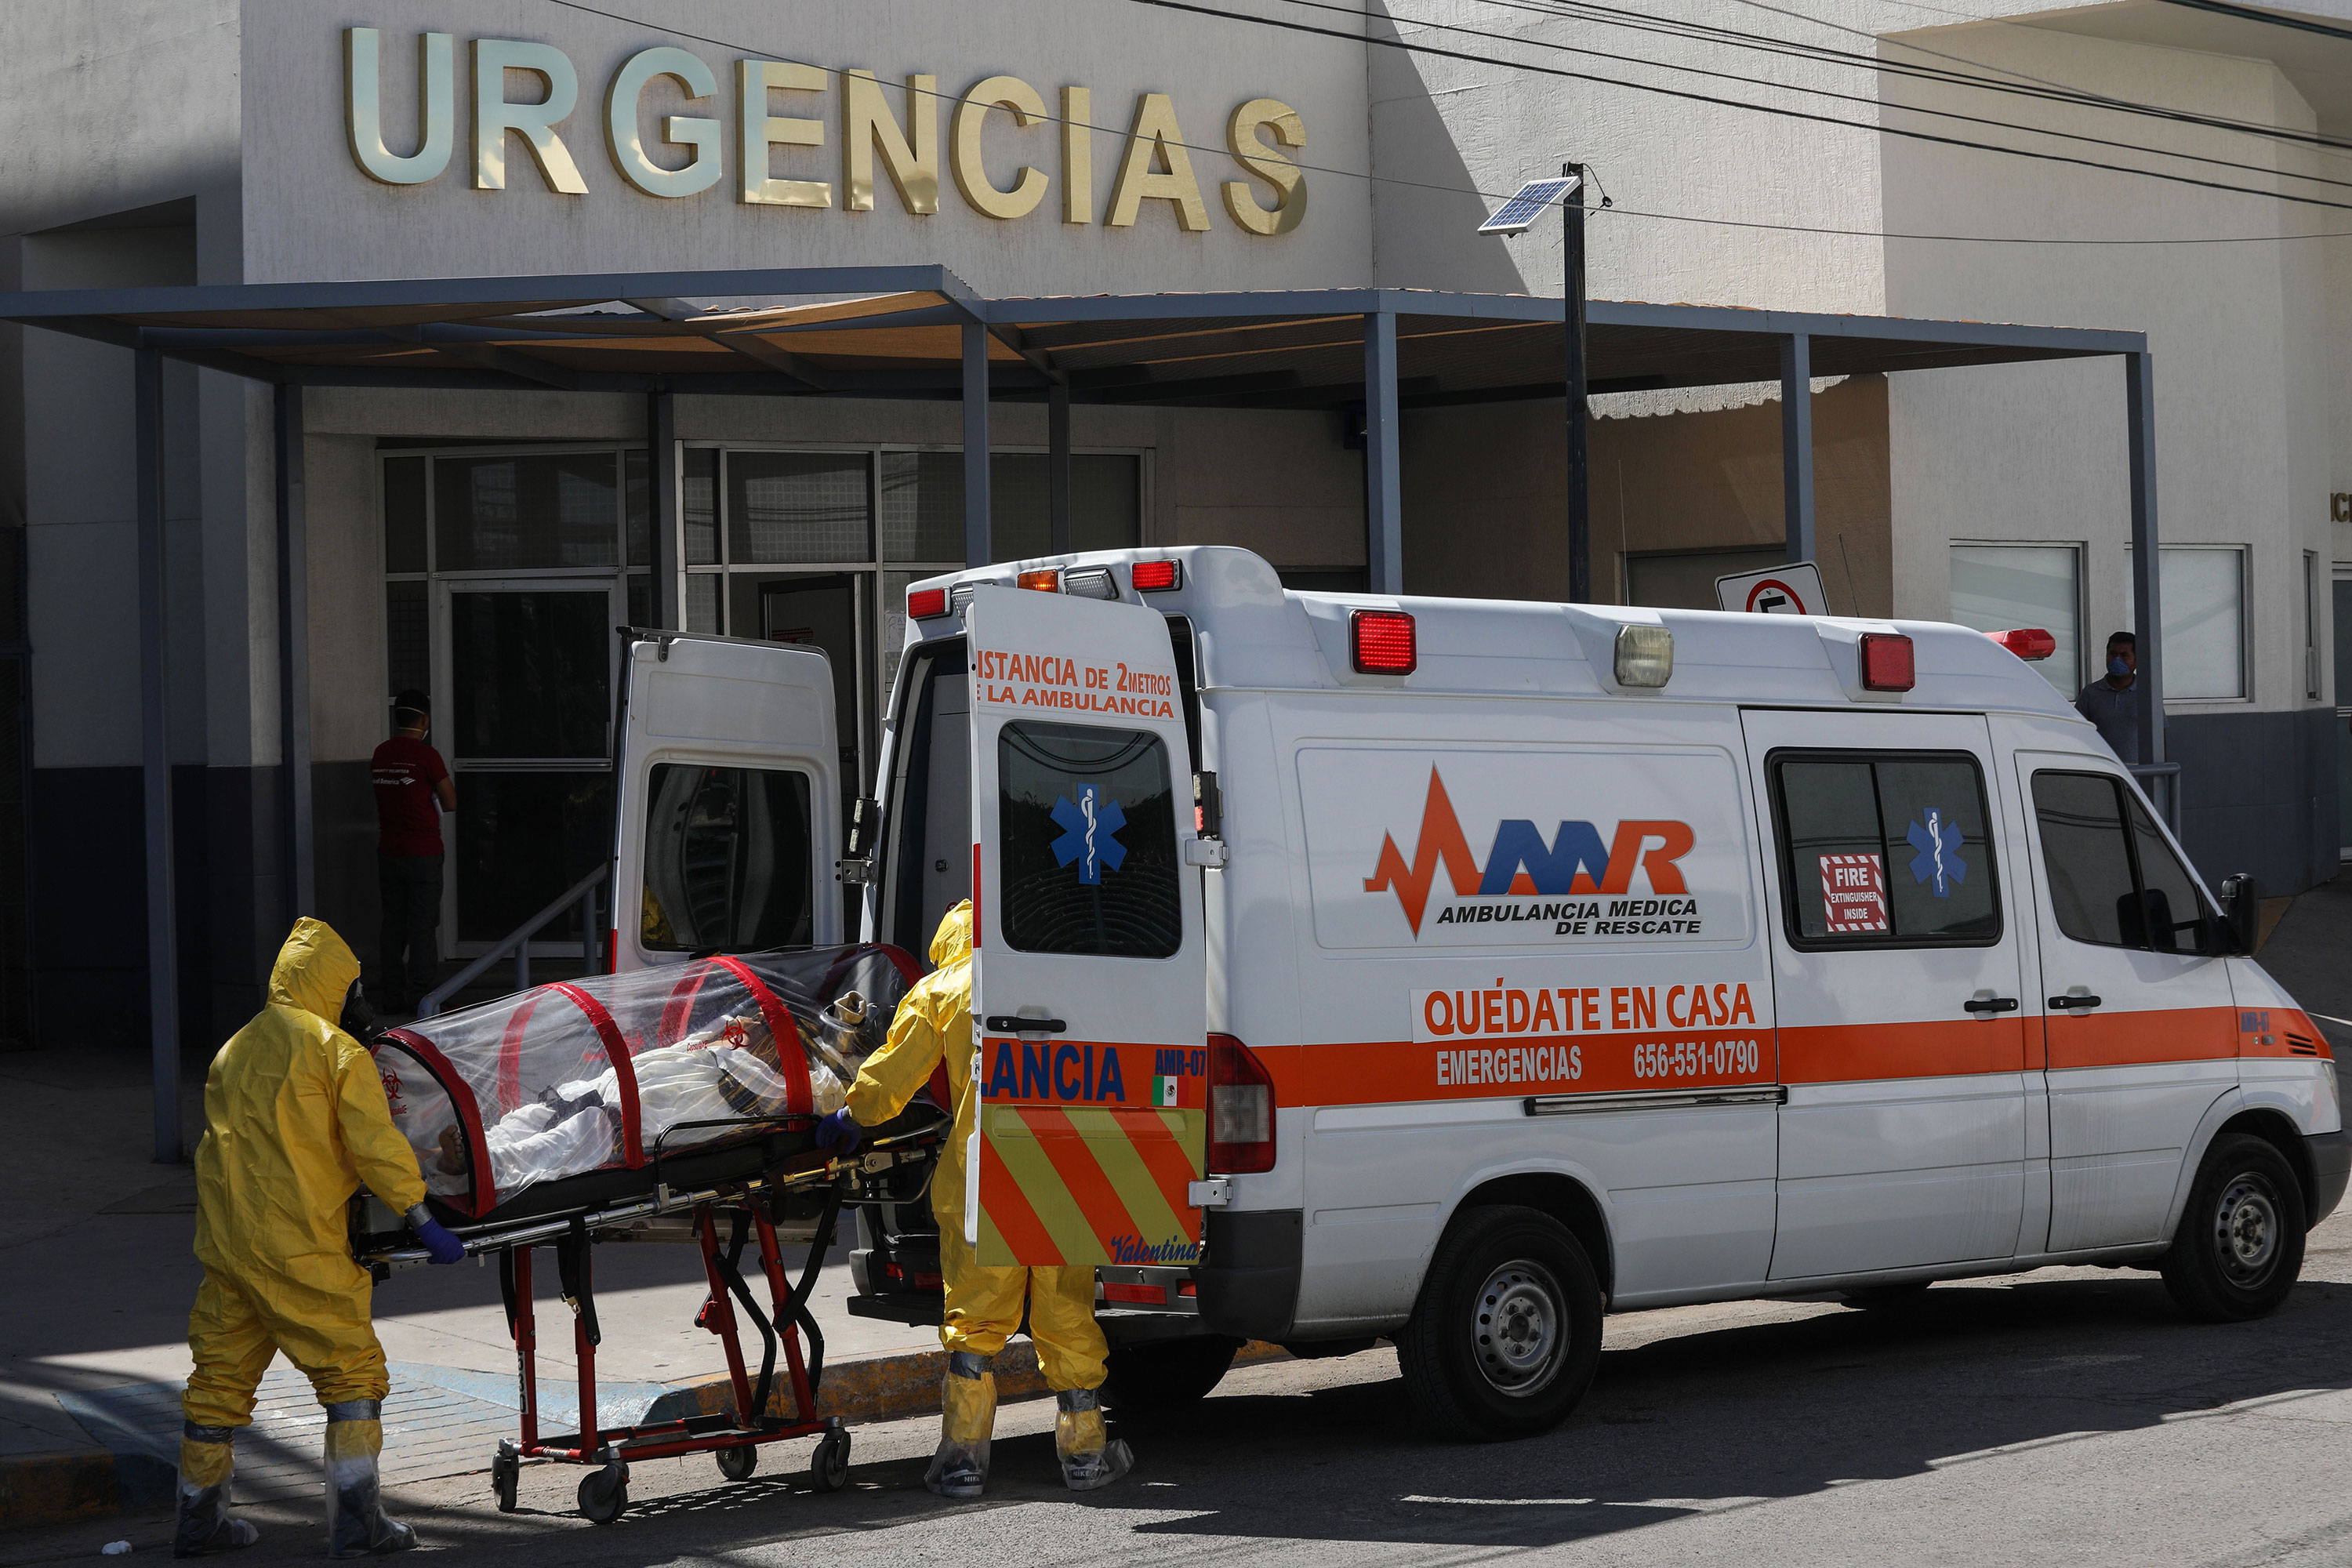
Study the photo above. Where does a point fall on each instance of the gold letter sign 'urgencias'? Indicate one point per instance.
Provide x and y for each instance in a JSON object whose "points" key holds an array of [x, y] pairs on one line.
{"points": [[530, 90]]}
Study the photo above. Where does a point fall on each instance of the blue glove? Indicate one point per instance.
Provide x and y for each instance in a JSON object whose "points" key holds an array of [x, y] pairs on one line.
{"points": [[839, 1128], [437, 1238]]}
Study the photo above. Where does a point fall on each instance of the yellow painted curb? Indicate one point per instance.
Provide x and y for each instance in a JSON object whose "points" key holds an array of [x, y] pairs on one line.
{"points": [[58, 1487]]}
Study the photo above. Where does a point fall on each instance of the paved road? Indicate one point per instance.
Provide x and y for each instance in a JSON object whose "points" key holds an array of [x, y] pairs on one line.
{"points": [[2064, 1415]]}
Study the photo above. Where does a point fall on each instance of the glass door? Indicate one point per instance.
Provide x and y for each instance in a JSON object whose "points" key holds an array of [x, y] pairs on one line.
{"points": [[529, 666]]}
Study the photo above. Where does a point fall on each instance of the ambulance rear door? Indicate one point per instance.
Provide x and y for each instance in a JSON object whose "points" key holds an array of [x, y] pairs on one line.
{"points": [[729, 818], [1090, 976]]}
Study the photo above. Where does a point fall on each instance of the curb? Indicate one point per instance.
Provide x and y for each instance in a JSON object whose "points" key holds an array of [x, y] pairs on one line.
{"points": [[891, 1387], [61, 1487]]}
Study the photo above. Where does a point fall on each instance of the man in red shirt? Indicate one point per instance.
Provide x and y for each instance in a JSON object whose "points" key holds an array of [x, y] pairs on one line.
{"points": [[412, 790]]}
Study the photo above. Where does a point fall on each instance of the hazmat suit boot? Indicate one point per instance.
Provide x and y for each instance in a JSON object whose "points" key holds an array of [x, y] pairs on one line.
{"points": [[203, 1525], [356, 1525], [1089, 1456], [966, 1422]]}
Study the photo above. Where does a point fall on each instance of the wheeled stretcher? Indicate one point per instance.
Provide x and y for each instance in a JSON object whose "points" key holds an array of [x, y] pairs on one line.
{"points": [[671, 1104]]}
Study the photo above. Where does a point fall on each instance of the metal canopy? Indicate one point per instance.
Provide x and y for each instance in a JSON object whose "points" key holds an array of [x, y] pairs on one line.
{"points": [[903, 337]]}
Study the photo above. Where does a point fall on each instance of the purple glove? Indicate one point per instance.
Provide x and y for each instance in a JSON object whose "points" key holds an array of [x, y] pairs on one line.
{"points": [[437, 1238], [839, 1129]]}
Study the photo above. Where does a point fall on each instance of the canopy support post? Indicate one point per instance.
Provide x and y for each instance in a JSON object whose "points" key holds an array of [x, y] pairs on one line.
{"points": [[662, 483], [294, 648], [1797, 445], [975, 444], [1057, 466], [1384, 493], [155, 758], [2139, 417]]}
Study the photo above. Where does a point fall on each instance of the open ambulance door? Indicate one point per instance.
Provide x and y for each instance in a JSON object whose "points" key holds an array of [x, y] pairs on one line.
{"points": [[1090, 978], [728, 810]]}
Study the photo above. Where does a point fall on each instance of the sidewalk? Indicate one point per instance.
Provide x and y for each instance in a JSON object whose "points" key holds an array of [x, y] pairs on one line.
{"points": [[95, 1276]]}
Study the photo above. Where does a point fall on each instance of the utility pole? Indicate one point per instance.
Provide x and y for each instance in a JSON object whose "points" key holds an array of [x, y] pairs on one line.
{"points": [[1580, 457]]}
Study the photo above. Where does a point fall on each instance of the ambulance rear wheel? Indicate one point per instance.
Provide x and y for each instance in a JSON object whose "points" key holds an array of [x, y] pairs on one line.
{"points": [[2240, 1245], [1506, 1334], [1166, 1374]]}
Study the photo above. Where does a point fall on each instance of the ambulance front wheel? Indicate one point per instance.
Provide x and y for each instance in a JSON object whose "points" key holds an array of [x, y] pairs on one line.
{"points": [[1506, 1334], [2240, 1245]]}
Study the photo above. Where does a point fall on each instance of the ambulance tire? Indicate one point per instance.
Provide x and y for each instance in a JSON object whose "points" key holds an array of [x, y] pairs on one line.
{"points": [[1153, 1375], [1520, 1271], [2240, 1245]]}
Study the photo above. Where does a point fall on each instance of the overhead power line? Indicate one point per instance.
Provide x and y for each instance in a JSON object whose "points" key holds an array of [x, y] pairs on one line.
{"points": [[2040, 89], [1868, 101], [669, 30], [1690, 96]]}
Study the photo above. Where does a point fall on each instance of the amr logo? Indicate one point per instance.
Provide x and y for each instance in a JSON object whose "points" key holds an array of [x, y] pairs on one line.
{"points": [[1521, 863]]}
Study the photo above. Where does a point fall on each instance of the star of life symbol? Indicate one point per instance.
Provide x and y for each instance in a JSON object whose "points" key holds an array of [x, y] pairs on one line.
{"points": [[1090, 827], [1938, 844]]}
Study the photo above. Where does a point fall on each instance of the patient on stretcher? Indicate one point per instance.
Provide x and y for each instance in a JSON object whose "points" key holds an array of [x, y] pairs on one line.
{"points": [[728, 1072]]}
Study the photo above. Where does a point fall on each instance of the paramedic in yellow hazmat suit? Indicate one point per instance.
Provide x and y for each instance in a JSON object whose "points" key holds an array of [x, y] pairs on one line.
{"points": [[295, 1120], [983, 1306]]}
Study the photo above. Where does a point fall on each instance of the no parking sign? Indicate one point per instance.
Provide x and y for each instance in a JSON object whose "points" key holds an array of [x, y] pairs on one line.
{"points": [[1794, 589]]}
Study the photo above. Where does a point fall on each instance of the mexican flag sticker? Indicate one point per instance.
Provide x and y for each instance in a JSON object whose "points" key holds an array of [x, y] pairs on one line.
{"points": [[1163, 1091]]}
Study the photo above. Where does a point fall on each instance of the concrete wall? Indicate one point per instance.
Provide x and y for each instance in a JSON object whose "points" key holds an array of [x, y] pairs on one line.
{"points": [[313, 212]]}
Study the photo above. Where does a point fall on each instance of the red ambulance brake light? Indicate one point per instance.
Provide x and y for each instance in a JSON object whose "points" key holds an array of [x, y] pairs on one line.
{"points": [[1380, 642], [1240, 1109], [1158, 577], [927, 604], [1886, 662], [2027, 642]]}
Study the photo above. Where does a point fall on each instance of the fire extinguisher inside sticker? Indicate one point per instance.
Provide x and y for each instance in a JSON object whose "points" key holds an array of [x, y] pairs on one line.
{"points": [[1853, 894]]}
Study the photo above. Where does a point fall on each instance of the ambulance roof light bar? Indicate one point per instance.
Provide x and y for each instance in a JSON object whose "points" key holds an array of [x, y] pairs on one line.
{"points": [[1157, 577], [1382, 642], [1886, 662], [927, 604], [1045, 580], [2027, 642]]}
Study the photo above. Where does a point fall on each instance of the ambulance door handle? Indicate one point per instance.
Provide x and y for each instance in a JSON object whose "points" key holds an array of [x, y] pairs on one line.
{"points": [[1011, 1024], [1991, 1005], [2069, 1004]]}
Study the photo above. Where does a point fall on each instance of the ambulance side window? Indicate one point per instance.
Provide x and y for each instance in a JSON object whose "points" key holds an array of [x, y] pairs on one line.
{"points": [[2109, 885], [1087, 825], [1885, 849], [727, 859]]}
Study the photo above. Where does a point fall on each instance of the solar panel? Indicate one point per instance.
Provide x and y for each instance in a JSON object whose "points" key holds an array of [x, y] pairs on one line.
{"points": [[1527, 203]]}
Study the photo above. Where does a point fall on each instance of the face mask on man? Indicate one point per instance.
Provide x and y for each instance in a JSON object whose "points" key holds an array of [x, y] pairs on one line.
{"points": [[359, 1014], [2119, 666]]}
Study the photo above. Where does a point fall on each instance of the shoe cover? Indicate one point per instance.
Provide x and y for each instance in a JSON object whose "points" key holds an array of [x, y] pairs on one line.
{"points": [[203, 1523], [356, 1525], [966, 1423], [1089, 1458]]}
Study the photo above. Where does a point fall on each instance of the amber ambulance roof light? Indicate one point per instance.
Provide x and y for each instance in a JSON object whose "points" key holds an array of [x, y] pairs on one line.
{"points": [[927, 604], [1158, 577], [1046, 581], [1380, 642], [1886, 662], [2027, 642]]}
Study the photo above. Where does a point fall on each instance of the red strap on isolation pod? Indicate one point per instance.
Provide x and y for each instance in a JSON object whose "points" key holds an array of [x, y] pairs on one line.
{"points": [[485, 1192], [785, 1031], [617, 1051]]}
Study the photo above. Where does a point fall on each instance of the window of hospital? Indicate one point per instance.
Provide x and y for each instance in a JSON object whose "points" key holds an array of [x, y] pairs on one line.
{"points": [[1087, 831], [2001, 587], [2114, 880], [1885, 849], [2202, 589]]}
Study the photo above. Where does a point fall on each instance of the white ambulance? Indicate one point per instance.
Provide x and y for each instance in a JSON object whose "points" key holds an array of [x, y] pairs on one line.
{"points": [[1457, 972]]}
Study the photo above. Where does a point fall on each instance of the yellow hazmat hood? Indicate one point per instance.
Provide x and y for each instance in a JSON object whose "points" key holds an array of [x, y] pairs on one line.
{"points": [[314, 970], [953, 940]]}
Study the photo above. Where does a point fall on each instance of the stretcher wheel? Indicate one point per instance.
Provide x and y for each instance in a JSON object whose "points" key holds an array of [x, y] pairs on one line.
{"points": [[829, 1465], [506, 1478], [737, 1464], [604, 1494]]}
